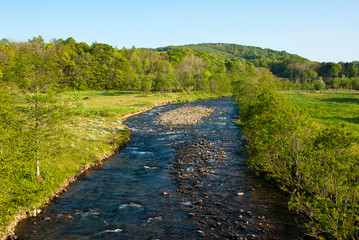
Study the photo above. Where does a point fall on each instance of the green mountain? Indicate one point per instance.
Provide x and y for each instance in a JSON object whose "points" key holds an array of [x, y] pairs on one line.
{"points": [[236, 52]]}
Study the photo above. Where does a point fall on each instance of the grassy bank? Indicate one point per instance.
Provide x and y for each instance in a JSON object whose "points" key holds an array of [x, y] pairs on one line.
{"points": [[94, 131], [316, 163], [329, 107]]}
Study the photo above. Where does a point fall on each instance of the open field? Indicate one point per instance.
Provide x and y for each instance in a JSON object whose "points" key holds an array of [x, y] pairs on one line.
{"points": [[329, 107]]}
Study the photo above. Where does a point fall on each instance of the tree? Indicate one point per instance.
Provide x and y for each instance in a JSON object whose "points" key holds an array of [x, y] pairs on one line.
{"points": [[329, 70], [190, 68], [318, 84], [37, 77], [353, 71]]}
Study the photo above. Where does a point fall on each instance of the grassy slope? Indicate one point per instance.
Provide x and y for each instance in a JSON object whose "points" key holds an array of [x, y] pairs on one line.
{"points": [[96, 131], [329, 107]]}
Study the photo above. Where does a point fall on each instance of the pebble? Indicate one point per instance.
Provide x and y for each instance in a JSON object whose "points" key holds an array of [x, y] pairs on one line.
{"points": [[192, 169], [13, 237], [201, 233], [185, 115]]}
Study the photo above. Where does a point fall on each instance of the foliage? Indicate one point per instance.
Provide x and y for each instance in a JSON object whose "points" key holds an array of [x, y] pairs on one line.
{"points": [[90, 132], [302, 73], [79, 66], [103, 67], [316, 164]]}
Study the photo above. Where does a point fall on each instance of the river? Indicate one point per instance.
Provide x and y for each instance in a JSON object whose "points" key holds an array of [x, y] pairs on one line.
{"points": [[187, 182]]}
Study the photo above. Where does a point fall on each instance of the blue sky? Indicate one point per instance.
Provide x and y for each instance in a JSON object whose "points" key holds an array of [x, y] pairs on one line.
{"points": [[320, 30]]}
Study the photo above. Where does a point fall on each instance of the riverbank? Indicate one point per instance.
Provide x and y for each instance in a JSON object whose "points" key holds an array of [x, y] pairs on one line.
{"points": [[95, 133], [317, 164], [170, 183]]}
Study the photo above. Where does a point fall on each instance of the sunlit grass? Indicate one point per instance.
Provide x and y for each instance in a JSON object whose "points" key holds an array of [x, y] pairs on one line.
{"points": [[97, 123], [329, 107], [122, 102], [94, 130]]}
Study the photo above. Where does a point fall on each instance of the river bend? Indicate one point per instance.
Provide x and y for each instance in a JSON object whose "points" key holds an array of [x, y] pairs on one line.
{"points": [[187, 182]]}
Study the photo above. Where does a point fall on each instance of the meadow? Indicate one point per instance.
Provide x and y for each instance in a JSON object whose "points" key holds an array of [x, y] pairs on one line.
{"points": [[329, 107], [93, 131]]}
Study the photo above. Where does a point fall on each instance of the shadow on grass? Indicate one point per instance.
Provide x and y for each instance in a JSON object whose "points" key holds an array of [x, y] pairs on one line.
{"points": [[342, 100], [117, 93], [354, 120]]}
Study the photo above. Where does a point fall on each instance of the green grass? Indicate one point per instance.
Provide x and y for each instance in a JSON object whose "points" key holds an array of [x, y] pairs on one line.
{"points": [[329, 107], [122, 102], [95, 131]]}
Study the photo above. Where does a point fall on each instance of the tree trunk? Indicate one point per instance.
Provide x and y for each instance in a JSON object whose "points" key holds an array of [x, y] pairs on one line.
{"points": [[37, 121]]}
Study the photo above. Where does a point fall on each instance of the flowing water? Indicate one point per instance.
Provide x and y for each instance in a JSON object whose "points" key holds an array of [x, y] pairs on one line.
{"points": [[187, 182]]}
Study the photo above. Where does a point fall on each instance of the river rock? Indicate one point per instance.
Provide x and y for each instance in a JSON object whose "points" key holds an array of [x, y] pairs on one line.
{"points": [[201, 233], [185, 116], [12, 237]]}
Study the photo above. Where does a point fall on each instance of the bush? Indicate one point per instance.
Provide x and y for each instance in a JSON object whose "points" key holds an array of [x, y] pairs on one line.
{"points": [[317, 165]]}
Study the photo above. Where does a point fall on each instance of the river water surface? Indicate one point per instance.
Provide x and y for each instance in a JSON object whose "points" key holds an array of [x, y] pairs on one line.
{"points": [[187, 182]]}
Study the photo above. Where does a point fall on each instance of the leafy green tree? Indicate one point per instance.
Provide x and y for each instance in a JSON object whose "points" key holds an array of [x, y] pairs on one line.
{"points": [[329, 70], [37, 77], [165, 79], [353, 71], [318, 84], [147, 82], [317, 165], [176, 55], [16, 172]]}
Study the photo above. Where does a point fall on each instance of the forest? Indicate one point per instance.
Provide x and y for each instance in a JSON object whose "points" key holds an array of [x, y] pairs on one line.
{"points": [[203, 67], [302, 73], [316, 164]]}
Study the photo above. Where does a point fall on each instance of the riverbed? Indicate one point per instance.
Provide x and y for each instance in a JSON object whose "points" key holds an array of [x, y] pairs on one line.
{"points": [[182, 182]]}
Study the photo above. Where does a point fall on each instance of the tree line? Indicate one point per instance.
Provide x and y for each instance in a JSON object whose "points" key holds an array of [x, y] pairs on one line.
{"points": [[316, 165], [72, 65], [203, 67], [32, 115], [295, 72]]}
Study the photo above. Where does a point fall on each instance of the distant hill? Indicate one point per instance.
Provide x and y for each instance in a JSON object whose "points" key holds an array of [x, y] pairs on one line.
{"points": [[236, 52], [280, 63]]}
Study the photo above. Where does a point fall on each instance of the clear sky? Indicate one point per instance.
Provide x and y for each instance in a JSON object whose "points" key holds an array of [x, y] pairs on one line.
{"points": [[320, 30]]}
